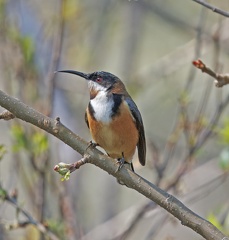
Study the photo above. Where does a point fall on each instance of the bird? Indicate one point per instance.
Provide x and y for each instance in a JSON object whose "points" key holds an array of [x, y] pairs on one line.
{"points": [[113, 118]]}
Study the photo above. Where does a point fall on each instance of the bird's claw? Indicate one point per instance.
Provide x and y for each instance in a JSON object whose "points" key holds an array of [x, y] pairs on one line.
{"points": [[92, 144], [120, 162]]}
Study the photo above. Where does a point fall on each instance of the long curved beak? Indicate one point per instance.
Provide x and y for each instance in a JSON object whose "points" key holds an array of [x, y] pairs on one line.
{"points": [[83, 75]]}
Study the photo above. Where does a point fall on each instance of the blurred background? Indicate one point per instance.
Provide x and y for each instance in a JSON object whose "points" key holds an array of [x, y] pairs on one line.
{"points": [[150, 45]]}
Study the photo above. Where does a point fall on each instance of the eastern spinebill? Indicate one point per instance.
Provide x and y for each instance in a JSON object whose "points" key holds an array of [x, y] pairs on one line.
{"points": [[113, 118]]}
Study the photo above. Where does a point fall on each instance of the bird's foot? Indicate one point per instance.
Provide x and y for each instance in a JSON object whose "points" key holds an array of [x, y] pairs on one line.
{"points": [[92, 144], [120, 161]]}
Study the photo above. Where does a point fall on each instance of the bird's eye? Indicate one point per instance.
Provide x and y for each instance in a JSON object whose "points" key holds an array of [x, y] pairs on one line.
{"points": [[99, 79]]}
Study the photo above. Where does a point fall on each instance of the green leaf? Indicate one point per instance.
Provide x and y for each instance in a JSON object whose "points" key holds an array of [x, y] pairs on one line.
{"points": [[64, 170], [224, 159], [57, 227], [21, 141], [213, 219], [3, 193], [184, 98], [25, 43], [2, 11], [27, 47], [39, 143], [2, 151], [224, 132], [66, 177]]}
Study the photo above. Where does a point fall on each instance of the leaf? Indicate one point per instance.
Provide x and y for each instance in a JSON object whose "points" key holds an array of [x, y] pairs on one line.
{"points": [[57, 227], [21, 141], [2, 151], [27, 47], [66, 177], [71, 9], [3, 193], [224, 159], [224, 132], [64, 170], [39, 143], [26, 44], [213, 219]]}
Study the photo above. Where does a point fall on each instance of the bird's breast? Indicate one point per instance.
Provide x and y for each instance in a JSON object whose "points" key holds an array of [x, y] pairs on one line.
{"points": [[101, 107], [117, 134]]}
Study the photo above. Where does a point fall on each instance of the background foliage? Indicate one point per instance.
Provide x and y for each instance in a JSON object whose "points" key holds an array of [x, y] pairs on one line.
{"points": [[150, 45]]}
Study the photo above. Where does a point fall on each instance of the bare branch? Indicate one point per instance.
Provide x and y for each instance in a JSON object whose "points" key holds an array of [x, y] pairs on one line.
{"points": [[221, 79], [54, 64], [213, 8], [129, 178], [30, 220]]}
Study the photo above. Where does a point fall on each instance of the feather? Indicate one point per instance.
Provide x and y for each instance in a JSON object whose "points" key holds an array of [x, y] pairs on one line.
{"points": [[139, 124]]}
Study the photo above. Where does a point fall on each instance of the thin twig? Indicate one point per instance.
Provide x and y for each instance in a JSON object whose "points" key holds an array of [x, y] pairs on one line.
{"points": [[197, 48], [56, 55], [50, 79], [213, 8], [135, 220], [182, 113], [221, 79], [30, 219], [204, 136]]}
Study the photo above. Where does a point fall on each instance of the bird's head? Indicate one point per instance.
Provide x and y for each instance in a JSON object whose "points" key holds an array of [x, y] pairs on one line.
{"points": [[100, 81]]}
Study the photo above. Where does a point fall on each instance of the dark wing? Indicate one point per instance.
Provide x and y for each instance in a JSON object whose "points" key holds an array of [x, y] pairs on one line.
{"points": [[139, 123], [86, 120], [89, 111]]}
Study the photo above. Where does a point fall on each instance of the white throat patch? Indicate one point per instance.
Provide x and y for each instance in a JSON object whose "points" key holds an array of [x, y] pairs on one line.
{"points": [[96, 86], [102, 106]]}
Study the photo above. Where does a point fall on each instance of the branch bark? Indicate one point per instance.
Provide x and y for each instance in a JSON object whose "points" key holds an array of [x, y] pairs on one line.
{"points": [[129, 178]]}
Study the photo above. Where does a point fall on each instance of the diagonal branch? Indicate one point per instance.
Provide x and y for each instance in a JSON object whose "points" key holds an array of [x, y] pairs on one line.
{"points": [[213, 8], [129, 178]]}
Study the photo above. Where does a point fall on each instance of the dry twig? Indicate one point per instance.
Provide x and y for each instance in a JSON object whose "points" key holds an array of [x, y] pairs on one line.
{"points": [[30, 220], [213, 8], [221, 79]]}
